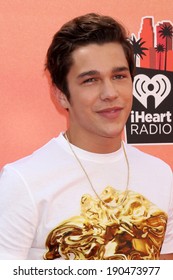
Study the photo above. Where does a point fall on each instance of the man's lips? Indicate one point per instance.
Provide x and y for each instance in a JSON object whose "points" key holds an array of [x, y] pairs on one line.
{"points": [[110, 113]]}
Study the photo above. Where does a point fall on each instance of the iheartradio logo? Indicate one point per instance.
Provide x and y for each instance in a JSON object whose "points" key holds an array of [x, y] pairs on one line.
{"points": [[159, 87], [151, 117]]}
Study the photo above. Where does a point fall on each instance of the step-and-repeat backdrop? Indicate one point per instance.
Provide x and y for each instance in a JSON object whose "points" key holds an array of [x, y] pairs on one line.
{"points": [[28, 115]]}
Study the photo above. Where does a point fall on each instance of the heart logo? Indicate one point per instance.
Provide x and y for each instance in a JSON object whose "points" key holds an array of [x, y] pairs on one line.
{"points": [[159, 86]]}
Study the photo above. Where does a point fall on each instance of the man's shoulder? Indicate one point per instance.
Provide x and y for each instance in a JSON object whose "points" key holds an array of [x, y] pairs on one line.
{"points": [[41, 159], [146, 160]]}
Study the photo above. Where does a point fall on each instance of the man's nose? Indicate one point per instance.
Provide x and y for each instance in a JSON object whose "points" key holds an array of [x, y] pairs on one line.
{"points": [[109, 90]]}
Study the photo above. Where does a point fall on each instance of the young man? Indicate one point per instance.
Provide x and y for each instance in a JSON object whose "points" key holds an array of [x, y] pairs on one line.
{"points": [[86, 194]]}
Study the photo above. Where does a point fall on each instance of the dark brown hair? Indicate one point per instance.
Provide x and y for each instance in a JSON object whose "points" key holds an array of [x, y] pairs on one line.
{"points": [[81, 31]]}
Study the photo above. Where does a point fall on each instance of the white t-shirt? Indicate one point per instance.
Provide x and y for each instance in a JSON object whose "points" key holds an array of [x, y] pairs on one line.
{"points": [[46, 198]]}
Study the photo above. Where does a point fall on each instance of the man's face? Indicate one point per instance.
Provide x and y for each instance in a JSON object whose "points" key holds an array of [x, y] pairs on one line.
{"points": [[100, 89]]}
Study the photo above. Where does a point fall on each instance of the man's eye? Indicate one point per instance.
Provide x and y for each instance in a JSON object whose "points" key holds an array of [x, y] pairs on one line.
{"points": [[118, 77], [90, 80]]}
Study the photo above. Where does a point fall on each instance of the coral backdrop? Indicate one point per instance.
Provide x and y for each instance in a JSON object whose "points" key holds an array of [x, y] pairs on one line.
{"points": [[28, 117]]}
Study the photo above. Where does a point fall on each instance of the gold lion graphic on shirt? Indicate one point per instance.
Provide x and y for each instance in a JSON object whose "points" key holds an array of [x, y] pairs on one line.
{"points": [[110, 230]]}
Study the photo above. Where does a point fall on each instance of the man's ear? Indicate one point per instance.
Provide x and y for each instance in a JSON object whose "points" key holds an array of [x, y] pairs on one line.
{"points": [[61, 97]]}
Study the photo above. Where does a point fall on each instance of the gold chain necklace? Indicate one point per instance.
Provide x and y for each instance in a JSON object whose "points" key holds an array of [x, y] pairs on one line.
{"points": [[87, 176]]}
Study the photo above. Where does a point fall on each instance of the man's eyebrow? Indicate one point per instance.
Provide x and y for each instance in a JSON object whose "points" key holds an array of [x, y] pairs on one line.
{"points": [[88, 73], [95, 72], [120, 69]]}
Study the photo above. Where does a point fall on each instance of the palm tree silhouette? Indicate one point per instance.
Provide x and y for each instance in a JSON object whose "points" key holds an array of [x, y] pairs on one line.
{"points": [[166, 31], [137, 48], [160, 49]]}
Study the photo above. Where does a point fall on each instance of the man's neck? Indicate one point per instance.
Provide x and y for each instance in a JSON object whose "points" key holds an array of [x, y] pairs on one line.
{"points": [[96, 144]]}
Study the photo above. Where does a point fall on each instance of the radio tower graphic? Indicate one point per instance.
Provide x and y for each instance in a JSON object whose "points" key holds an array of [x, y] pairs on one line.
{"points": [[151, 118], [154, 47]]}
